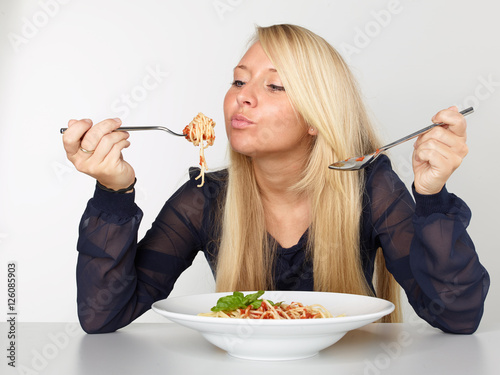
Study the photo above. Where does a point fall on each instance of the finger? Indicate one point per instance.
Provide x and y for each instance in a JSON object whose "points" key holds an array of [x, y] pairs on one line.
{"points": [[115, 153], [446, 137], [453, 108], [71, 122], [453, 120], [113, 166], [94, 135], [439, 156], [73, 135], [103, 162], [107, 143]]}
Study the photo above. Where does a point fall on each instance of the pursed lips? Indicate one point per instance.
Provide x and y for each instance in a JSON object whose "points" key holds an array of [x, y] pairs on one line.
{"points": [[240, 122]]}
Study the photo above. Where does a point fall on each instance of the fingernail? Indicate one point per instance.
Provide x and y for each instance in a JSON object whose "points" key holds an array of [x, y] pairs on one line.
{"points": [[117, 120], [88, 121]]}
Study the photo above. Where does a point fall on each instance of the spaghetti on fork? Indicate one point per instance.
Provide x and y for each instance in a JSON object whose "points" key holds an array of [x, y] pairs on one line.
{"points": [[201, 133]]}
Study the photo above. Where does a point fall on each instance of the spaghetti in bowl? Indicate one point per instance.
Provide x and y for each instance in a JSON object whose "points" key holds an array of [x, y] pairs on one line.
{"points": [[276, 339]]}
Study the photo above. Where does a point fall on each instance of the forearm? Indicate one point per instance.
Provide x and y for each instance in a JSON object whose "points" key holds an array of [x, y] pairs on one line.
{"points": [[446, 266], [106, 303], [118, 277], [106, 274]]}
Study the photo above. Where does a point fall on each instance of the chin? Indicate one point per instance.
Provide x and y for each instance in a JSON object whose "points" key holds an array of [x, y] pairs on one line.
{"points": [[242, 143], [247, 151]]}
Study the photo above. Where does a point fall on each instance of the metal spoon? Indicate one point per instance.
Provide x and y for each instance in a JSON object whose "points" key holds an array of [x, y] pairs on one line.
{"points": [[134, 128], [360, 162]]}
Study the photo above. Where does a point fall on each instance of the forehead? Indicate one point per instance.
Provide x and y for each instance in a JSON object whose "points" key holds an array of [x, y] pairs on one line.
{"points": [[256, 59]]}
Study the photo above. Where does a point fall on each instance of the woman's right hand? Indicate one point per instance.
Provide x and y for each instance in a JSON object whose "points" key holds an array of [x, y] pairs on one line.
{"points": [[103, 159]]}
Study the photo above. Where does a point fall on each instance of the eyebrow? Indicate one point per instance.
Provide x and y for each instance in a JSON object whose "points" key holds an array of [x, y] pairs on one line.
{"points": [[244, 67]]}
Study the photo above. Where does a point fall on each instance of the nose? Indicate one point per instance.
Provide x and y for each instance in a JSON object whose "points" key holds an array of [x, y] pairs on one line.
{"points": [[247, 96]]}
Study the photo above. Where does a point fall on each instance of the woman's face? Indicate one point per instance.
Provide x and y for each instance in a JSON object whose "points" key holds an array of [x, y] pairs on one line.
{"points": [[260, 120]]}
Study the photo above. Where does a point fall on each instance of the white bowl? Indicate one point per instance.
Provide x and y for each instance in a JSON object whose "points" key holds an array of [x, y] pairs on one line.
{"points": [[276, 339]]}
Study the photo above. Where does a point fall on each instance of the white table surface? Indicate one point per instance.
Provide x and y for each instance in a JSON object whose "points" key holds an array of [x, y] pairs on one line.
{"points": [[165, 348]]}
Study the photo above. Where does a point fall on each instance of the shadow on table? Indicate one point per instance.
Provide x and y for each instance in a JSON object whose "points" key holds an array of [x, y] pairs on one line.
{"points": [[375, 349], [394, 349]]}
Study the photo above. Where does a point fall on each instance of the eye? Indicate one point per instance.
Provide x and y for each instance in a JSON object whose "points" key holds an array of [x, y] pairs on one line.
{"points": [[276, 87], [237, 83]]}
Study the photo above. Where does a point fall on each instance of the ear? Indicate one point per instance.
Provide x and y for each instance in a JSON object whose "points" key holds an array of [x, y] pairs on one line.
{"points": [[312, 131]]}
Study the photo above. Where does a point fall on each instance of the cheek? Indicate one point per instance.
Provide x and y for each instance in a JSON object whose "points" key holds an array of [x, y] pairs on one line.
{"points": [[227, 110], [229, 100], [286, 123], [267, 136]]}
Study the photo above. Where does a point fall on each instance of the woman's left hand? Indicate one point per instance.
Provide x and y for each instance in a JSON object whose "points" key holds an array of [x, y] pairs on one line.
{"points": [[440, 151]]}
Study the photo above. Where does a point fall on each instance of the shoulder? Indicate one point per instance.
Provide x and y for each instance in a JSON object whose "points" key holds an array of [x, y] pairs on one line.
{"points": [[381, 164], [215, 183], [213, 180], [191, 202], [216, 175], [384, 189], [381, 175]]}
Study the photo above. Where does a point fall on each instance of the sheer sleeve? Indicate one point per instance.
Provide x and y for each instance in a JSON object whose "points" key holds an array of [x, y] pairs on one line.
{"points": [[428, 250], [117, 278]]}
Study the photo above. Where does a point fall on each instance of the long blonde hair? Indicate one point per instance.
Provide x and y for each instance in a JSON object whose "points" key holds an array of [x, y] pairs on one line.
{"points": [[324, 93]]}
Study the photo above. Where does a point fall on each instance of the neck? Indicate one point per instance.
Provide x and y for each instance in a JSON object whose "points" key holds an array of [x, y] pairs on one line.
{"points": [[287, 212], [275, 177]]}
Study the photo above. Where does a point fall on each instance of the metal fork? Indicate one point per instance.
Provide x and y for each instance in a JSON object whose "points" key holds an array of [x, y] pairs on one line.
{"points": [[360, 162], [136, 128]]}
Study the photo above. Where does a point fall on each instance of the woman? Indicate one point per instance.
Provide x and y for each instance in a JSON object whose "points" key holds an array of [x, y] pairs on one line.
{"points": [[278, 218]]}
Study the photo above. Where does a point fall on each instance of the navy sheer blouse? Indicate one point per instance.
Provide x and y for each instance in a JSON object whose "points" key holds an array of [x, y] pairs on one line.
{"points": [[424, 241]]}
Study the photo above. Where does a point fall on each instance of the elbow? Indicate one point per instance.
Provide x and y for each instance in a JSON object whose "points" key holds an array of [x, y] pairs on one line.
{"points": [[462, 312], [95, 318], [466, 319], [92, 322], [451, 325], [89, 330], [468, 324], [92, 328], [458, 321], [463, 329], [453, 318]]}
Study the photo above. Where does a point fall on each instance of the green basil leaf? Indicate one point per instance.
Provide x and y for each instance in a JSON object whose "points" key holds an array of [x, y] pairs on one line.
{"points": [[256, 304], [229, 303], [238, 301], [249, 298]]}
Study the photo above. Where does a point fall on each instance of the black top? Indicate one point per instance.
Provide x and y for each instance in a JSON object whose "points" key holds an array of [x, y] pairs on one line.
{"points": [[425, 244]]}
